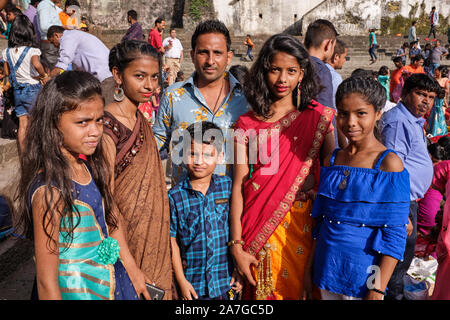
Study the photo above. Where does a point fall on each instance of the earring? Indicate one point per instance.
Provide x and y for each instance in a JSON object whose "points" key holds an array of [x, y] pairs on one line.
{"points": [[299, 93], [119, 95]]}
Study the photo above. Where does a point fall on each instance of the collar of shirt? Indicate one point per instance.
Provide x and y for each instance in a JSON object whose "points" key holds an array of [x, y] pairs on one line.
{"points": [[318, 60], [186, 184], [409, 116], [234, 85]]}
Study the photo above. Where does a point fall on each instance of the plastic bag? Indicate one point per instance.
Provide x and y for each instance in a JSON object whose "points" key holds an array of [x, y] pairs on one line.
{"points": [[415, 289], [423, 268]]}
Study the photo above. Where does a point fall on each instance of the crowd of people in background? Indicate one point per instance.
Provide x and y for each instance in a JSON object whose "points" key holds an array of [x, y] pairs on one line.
{"points": [[353, 181]]}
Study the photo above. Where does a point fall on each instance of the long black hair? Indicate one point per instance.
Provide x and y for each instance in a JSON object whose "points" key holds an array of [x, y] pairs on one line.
{"points": [[256, 90], [44, 156], [22, 33]]}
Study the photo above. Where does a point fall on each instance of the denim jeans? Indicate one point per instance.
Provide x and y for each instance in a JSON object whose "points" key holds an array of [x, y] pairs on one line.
{"points": [[373, 56], [432, 31], [249, 53], [395, 285], [25, 98]]}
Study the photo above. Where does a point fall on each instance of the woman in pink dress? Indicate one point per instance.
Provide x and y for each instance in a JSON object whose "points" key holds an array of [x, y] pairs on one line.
{"points": [[441, 182]]}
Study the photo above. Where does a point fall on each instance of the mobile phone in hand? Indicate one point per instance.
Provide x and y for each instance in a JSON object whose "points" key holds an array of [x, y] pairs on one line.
{"points": [[154, 292]]}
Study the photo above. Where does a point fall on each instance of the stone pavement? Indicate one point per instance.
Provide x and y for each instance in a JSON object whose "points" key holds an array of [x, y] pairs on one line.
{"points": [[17, 269]]}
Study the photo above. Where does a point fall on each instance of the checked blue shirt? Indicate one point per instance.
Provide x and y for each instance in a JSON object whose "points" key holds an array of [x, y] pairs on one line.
{"points": [[200, 224]]}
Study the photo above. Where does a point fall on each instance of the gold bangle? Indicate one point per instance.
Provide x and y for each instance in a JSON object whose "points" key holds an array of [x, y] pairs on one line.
{"points": [[233, 242]]}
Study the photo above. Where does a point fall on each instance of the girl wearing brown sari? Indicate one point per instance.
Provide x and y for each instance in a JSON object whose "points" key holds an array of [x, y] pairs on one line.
{"points": [[278, 149], [139, 188]]}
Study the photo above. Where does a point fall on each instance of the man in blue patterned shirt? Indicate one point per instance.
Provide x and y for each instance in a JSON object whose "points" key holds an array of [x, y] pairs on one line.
{"points": [[210, 94], [199, 228]]}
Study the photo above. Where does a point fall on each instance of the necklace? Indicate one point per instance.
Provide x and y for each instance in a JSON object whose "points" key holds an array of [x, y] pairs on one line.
{"points": [[218, 96], [130, 121]]}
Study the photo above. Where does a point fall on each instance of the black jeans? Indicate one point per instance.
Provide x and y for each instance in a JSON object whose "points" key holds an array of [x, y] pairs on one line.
{"points": [[432, 31], [395, 285]]}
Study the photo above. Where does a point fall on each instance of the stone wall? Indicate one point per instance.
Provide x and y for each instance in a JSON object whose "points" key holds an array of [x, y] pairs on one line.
{"points": [[355, 17], [263, 17], [112, 14]]}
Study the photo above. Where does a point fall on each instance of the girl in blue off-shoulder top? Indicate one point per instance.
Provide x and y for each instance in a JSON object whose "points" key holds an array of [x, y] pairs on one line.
{"points": [[362, 203]]}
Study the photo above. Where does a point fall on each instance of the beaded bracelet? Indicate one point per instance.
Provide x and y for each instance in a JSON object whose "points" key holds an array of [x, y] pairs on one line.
{"points": [[233, 242], [378, 291]]}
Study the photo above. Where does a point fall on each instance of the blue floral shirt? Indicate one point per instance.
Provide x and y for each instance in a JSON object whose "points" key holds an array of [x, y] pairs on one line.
{"points": [[183, 104]]}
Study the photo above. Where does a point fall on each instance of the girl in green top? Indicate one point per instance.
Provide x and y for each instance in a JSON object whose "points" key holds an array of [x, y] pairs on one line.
{"points": [[384, 78], [373, 44]]}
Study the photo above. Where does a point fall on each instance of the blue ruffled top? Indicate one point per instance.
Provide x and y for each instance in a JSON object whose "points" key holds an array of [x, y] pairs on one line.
{"points": [[361, 215]]}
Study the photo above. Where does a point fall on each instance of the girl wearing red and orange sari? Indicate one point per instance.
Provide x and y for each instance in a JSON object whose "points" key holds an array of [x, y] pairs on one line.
{"points": [[278, 149]]}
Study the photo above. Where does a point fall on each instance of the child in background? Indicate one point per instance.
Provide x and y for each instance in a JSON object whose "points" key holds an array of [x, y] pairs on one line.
{"points": [[65, 202], [372, 45], [23, 65], [384, 79], [436, 124], [441, 76], [150, 108], [250, 45], [11, 13], [402, 52], [165, 73], [414, 51], [427, 58], [84, 24], [359, 230], [199, 210]]}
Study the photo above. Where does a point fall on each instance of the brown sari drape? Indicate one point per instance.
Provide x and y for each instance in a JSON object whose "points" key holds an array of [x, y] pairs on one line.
{"points": [[140, 193]]}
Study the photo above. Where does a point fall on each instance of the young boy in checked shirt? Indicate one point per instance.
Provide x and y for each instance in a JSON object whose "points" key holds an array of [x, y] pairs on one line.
{"points": [[199, 228]]}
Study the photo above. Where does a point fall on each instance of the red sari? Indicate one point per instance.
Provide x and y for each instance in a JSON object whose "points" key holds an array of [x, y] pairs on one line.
{"points": [[273, 199]]}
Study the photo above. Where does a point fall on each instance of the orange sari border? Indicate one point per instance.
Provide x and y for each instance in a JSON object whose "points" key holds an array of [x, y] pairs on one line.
{"points": [[272, 223]]}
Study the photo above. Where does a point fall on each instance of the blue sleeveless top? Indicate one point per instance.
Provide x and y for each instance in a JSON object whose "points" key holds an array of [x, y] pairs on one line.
{"points": [[361, 214], [81, 273]]}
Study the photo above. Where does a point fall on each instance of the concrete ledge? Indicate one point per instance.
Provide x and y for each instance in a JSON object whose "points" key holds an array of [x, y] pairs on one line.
{"points": [[9, 168], [8, 150]]}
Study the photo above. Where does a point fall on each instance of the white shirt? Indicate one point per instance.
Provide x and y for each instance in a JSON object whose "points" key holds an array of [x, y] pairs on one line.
{"points": [[26, 70], [85, 52], [47, 16], [388, 106], [175, 51]]}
